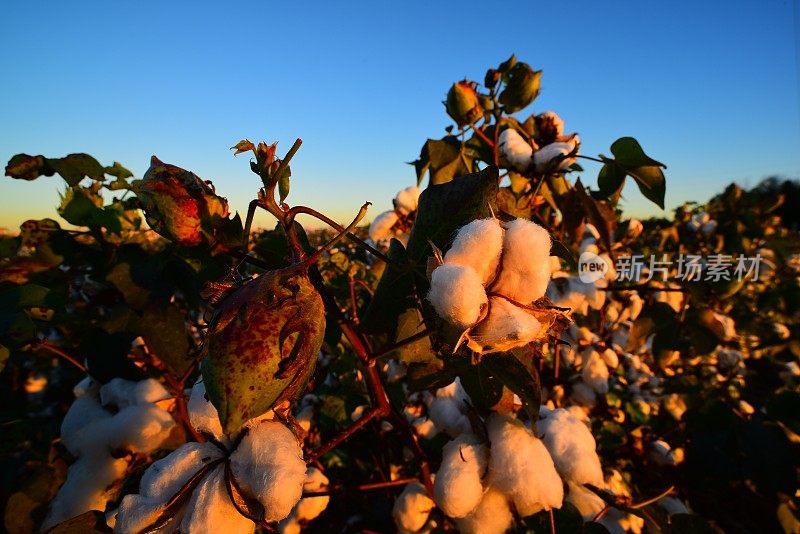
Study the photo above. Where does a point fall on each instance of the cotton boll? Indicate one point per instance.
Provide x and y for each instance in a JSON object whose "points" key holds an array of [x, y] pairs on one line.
{"points": [[672, 505], [202, 414], [406, 200], [457, 294], [268, 464], [583, 394], [395, 371], [492, 516], [478, 245], [308, 508], [426, 428], [521, 467], [544, 157], [457, 489], [515, 150], [595, 373], [586, 501], [412, 508], [123, 393], [211, 510], [525, 271], [447, 410], [381, 227], [507, 326], [662, 454], [164, 477], [138, 428], [572, 447], [675, 405]]}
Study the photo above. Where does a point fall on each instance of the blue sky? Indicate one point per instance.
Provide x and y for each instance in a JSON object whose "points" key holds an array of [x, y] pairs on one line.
{"points": [[709, 88]]}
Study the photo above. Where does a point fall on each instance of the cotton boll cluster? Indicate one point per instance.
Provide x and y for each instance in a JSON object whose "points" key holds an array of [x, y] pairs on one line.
{"points": [[412, 508], [545, 152], [490, 277], [118, 416], [492, 515], [396, 223], [516, 151], [267, 465], [553, 157], [308, 508]]}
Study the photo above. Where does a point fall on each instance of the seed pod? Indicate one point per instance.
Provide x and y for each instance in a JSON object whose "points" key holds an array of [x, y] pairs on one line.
{"points": [[462, 103], [178, 204], [262, 345]]}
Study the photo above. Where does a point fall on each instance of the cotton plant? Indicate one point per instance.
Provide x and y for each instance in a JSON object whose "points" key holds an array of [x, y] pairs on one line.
{"points": [[396, 223]]}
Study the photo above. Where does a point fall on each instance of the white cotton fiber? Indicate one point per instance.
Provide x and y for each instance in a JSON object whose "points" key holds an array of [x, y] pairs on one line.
{"points": [[610, 358], [458, 488], [521, 467], [586, 501], [543, 157], [308, 508], [381, 227], [583, 394], [507, 326], [515, 150], [572, 447], [595, 373], [478, 245], [552, 119], [268, 464], [457, 294], [406, 200], [492, 516], [412, 508], [526, 265], [202, 413], [166, 476], [211, 510], [448, 409], [122, 393]]}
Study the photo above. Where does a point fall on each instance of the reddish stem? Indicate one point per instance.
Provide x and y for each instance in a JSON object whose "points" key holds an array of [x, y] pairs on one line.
{"points": [[62, 354]]}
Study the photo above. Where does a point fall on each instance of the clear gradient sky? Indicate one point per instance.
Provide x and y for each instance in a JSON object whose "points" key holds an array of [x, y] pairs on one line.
{"points": [[709, 87]]}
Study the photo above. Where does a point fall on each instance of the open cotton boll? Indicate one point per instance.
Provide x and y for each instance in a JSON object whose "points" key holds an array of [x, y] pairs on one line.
{"points": [[211, 510], [507, 326], [406, 200], [595, 373], [457, 489], [448, 409], [478, 245], [583, 394], [202, 414], [543, 158], [521, 467], [122, 393], [381, 227], [586, 501], [492, 516], [457, 294], [160, 482], [526, 267], [268, 464], [572, 447], [308, 508], [412, 508], [515, 150]]}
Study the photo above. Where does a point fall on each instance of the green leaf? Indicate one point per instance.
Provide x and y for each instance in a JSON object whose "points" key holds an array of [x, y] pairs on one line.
{"points": [[164, 330], [74, 167], [443, 159], [630, 158], [562, 251], [611, 179], [629, 153], [135, 295], [517, 377], [521, 89], [283, 183], [408, 324], [118, 171], [506, 65]]}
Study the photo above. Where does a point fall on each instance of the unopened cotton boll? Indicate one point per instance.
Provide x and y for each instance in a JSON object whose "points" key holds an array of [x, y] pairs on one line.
{"points": [[478, 245], [492, 516], [202, 414], [521, 467], [268, 464], [406, 200], [412, 508], [457, 294], [525, 270], [515, 150], [507, 326], [572, 447], [381, 227], [457, 489]]}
